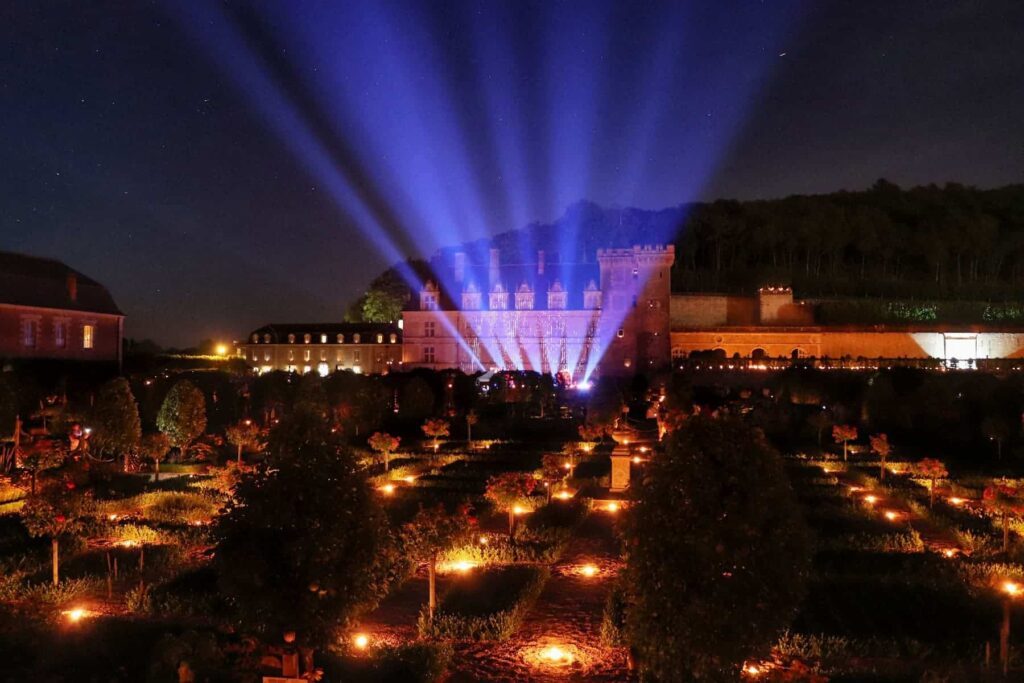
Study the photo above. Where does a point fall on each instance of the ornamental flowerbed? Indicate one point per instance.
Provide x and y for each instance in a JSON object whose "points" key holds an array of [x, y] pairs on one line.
{"points": [[486, 605]]}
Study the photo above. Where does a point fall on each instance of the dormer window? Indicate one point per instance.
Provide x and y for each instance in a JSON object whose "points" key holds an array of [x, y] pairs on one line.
{"points": [[306, 338], [266, 339], [380, 338], [341, 339], [291, 338], [355, 338], [393, 338], [323, 338]]}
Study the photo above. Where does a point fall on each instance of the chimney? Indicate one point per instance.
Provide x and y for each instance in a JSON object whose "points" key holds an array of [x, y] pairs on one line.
{"points": [[493, 273], [540, 262], [460, 266], [72, 284]]}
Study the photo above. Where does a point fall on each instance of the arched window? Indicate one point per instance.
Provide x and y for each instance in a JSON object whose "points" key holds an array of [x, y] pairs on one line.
{"points": [[306, 338], [758, 354], [291, 338], [266, 339], [255, 339], [380, 338], [795, 353]]}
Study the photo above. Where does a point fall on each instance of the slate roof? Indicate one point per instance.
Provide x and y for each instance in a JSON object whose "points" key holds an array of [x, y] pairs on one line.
{"points": [[42, 282]]}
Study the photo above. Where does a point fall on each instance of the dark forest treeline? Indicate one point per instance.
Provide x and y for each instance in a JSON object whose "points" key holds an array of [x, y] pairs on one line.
{"points": [[928, 243]]}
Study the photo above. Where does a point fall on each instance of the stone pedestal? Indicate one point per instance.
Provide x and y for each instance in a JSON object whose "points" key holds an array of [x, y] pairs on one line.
{"points": [[620, 472]]}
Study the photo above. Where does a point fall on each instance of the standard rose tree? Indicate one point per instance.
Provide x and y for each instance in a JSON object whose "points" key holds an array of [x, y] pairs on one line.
{"points": [[243, 435], [509, 491], [432, 531], [154, 447], [384, 444], [931, 470], [436, 429], [56, 512], [115, 421], [844, 434], [1006, 501], [880, 447]]}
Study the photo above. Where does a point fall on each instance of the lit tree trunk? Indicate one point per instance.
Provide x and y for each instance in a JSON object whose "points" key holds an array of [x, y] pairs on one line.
{"points": [[387, 460], [511, 522], [432, 583], [239, 454], [881, 474], [844, 450], [55, 559], [33, 482], [931, 494], [469, 432], [1006, 532], [156, 476]]}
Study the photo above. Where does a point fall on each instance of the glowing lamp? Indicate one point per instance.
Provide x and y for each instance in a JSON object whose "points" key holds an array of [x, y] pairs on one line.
{"points": [[563, 495], [752, 670], [361, 641], [410, 479], [555, 655], [463, 565], [949, 553], [612, 507], [953, 500], [127, 544], [76, 614], [870, 499], [891, 515], [222, 350], [567, 465], [588, 570], [112, 517], [1011, 588], [637, 460], [387, 489], [483, 540], [518, 510]]}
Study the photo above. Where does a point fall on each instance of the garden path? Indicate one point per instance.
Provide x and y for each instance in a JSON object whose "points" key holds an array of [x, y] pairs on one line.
{"points": [[567, 615]]}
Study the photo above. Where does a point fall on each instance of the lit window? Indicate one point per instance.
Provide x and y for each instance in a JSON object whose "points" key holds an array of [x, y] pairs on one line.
{"points": [[29, 329], [306, 338], [291, 355], [429, 328], [305, 355], [266, 339], [355, 338], [255, 339], [87, 336], [266, 356], [323, 338], [394, 338], [621, 333], [60, 334], [428, 354], [254, 357], [291, 338], [357, 357], [323, 355], [341, 339], [380, 338]]}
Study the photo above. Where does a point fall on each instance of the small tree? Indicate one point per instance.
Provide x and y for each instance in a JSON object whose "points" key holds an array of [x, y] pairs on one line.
{"points": [[880, 447], [40, 455], [244, 434], [931, 469], [154, 447], [115, 420], [55, 512], [508, 491], [844, 434], [471, 419], [718, 553], [431, 532], [385, 444], [435, 428], [1004, 500], [182, 416], [552, 470]]}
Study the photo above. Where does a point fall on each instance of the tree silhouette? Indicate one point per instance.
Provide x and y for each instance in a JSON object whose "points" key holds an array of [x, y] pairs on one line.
{"points": [[931, 470], [385, 444], [115, 420], [844, 434], [1005, 500], [880, 446], [244, 434], [432, 531], [55, 512], [508, 491], [182, 415]]}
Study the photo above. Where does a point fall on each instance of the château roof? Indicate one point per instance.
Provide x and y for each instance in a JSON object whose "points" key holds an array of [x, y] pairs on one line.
{"points": [[48, 283]]}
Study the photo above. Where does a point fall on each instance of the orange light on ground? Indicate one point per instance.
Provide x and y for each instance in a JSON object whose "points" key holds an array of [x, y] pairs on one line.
{"points": [[588, 570], [483, 540], [949, 553], [855, 489], [76, 614], [752, 670], [361, 641], [387, 489], [127, 544], [567, 466], [637, 460], [1011, 588], [612, 507], [891, 515], [112, 517], [954, 500], [518, 510], [410, 479], [870, 499], [556, 655], [563, 495], [222, 350]]}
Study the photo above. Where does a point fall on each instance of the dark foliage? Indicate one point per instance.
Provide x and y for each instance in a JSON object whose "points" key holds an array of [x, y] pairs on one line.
{"points": [[717, 553]]}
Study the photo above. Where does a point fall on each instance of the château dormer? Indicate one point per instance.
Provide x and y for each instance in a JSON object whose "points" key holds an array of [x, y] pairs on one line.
{"points": [[524, 298], [429, 296]]}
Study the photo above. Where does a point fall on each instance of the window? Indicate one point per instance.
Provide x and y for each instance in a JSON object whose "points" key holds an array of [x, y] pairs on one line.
{"points": [[87, 336], [29, 330], [428, 354], [323, 338], [394, 338], [341, 339], [621, 333], [306, 338], [380, 338], [266, 339], [357, 357], [291, 355], [429, 328], [355, 338], [305, 355], [60, 334], [323, 355], [255, 339], [429, 302], [266, 356], [291, 338], [254, 357]]}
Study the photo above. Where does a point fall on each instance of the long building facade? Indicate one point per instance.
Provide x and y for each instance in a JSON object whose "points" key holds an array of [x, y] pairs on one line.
{"points": [[613, 316]]}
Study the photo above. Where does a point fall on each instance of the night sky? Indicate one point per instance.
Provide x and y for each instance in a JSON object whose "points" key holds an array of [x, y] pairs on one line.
{"points": [[223, 165]]}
